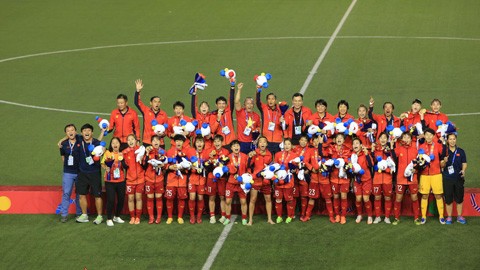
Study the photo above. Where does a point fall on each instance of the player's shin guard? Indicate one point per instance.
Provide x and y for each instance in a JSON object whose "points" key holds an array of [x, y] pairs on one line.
{"points": [[358, 205], [150, 207], [159, 202], [181, 207], [132, 213], [170, 208], [344, 207], [424, 205], [388, 208], [368, 208], [416, 209], [308, 212], [279, 208], [336, 206], [378, 207], [191, 207], [291, 208], [397, 207], [304, 201], [138, 213], [328, 204], [200, 207], [440, 207]]}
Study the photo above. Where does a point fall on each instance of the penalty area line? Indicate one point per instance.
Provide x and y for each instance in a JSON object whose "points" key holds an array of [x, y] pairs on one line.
{"points": [[218, 245]]}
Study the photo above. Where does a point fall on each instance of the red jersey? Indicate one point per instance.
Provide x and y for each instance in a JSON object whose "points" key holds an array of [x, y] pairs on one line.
{"points": [[211, 159], [383, 177], [405, 154], [434, 149], [149, 115], [342, 152], [174, 121], [311, 160], [362, 135], [247, 122], [111, 159], [382, 121], [198, 177], [259, 162], [174, 179], [271, 126], [124, 124], [237, 165], [302, 152], [283, 158], [345, 118], [135, 171], [225, 125], [292, 123], [362, 161], [207, 118], [431, 119], [151, 174]]}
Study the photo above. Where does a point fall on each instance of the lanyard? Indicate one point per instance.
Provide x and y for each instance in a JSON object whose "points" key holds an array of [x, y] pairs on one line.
{"points": [[270, 116], [283, 157], [224, 119], [71, 147], [236, 163], [454, 155], [83, 146], [295, 120]]}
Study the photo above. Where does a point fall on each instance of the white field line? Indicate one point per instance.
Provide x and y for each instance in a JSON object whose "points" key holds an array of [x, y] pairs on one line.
{"points": [[218, 245], [326, 49]]}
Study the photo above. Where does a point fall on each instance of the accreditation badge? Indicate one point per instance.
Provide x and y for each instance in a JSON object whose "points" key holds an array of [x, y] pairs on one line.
{"points": [[89, 160], [116, 173], [298, 130], [225, 130], [450, 169], [247, 131], [70, 160], [271, 126]]}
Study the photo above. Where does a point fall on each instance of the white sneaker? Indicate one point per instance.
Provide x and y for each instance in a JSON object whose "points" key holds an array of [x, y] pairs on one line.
{"points": [[98, 220], [387, 220], [377, 220], [109, 223], [222, 219], [359, 219], [82, 218], [118, 220], [369, 220], [213, 220]]}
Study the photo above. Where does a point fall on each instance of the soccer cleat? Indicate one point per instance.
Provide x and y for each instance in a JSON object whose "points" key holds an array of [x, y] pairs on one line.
{"points": [[441, 220], [158, 220], [395, 221], [304, 219], [137, 221], [180, 220], [98, 220], [288, 220], [369, 220], [378, 220], [192, 220], [244, 222], [279, 220], [417, 221], [63, 219], [118, 220], [337, 218], [359, 219], [213, 220], [226, 221], [461, 220], [132, 220], [169, 220], [387, 220], [343, 220], [448, 221], [222, 219], [150, 220], [110, 223], [332, 220], [82, 218]]}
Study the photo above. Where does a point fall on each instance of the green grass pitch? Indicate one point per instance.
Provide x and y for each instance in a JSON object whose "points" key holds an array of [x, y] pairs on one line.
{"points": [[392, 50]]}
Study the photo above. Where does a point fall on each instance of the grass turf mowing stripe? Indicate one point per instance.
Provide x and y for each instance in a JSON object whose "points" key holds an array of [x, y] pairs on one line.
{"points": [[327, 47], [218, 245]]}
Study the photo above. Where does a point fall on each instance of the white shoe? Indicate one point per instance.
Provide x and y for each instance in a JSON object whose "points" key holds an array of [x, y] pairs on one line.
{"points": [[387, 220], [213, 220], [222, 219], [109, 223], [377, 220], [369, 220], [359, 219], [118, 220]]}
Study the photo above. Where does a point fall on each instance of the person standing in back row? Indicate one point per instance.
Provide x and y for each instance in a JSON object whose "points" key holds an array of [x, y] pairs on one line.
{"points": [[124, 121]]}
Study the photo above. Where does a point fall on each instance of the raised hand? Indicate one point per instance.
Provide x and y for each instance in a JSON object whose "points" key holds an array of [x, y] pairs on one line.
{"points": [[139, 85]]}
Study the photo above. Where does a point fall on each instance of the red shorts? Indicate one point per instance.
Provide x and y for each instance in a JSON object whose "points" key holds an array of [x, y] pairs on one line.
{"points": [[363, 188], [303, 189], [154, 188], [340, 188], [178, 192], [314, 190], [296, 190], [265, 189], [284, 193], [137, 188], [400, 189], [199, 189], [231, 189], [387, 189], [214, 188]]}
